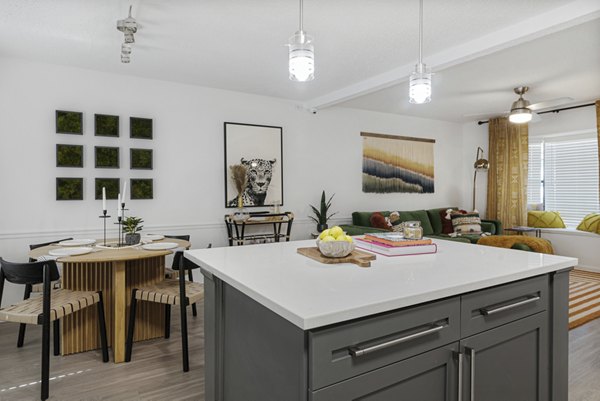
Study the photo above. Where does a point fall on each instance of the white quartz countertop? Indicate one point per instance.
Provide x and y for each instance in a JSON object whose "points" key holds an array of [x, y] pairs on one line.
{"points": [[311, 294]]}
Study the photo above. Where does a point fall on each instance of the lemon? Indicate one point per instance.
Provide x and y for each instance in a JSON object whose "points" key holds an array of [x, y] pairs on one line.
{"points": [[324, 234], [348, 238], [336, 231], [341, 237], [327, 238]]}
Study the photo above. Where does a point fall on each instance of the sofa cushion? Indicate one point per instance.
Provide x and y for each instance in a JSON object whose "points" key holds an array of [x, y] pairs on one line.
{"points": [[378, 220], [590, 223], [466, 223], [362, 218], [435, 218], [418, 215], [488, 227], [544, 219]]}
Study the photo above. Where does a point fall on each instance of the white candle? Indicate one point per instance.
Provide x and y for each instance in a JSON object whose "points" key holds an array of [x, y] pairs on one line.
{"points": [[103, 198], [119, 206], [124, 191]]}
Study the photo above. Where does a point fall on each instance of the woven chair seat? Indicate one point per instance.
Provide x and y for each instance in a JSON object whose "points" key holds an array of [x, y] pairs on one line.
{"points": [[171, 274], [167, 292], [63, 303], [55, 285]]}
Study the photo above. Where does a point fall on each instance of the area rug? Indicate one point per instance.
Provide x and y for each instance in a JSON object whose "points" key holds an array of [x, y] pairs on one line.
{"points": [[584, 297]]}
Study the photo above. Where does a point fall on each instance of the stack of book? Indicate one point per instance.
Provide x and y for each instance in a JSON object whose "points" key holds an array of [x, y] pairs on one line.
{"points": [[394, 244]]}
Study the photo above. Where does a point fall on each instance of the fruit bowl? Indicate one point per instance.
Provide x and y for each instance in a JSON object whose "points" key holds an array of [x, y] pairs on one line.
{"points": [[335, 249]]}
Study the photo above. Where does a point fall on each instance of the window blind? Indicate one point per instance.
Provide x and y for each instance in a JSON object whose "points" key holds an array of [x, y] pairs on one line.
{"points": [[570, 177]]}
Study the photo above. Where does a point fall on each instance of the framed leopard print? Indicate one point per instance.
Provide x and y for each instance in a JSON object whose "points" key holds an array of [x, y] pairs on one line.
{"points": [[258, 148]]}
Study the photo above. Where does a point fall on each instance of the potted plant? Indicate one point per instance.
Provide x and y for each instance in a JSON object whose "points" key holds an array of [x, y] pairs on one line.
{"points": [[131, 226], [320, 215]]}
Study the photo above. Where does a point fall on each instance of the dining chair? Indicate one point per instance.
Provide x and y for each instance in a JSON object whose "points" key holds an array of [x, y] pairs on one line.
{"points": [[173, 272], [168, 292], [39, 288], [52, 306]]}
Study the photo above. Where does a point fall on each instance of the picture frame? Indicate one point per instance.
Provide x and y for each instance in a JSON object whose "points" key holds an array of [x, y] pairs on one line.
{"points": [[106, 157], [141, 188], [260, 149], [69, 155], [140, 159], [69, 188], [106, 125], [112, 185], [69, 122], [140, 128]]}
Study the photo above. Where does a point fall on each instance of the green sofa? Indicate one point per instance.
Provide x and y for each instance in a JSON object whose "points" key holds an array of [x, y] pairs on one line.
{"points": [[431, 222]]}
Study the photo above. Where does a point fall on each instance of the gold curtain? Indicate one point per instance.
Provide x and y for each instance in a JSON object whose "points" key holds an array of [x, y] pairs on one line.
{"points": [[598, 129], [507, 176]]}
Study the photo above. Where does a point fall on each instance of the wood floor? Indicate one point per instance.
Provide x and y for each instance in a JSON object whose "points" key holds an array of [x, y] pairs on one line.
{"points": [[155, 371]]}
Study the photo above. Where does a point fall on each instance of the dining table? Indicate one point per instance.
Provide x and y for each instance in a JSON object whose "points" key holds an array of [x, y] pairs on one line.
{"points": [[115, 272]]}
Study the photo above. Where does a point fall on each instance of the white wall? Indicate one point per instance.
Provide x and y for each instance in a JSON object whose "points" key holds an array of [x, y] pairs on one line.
{"points": [[321, 151]]}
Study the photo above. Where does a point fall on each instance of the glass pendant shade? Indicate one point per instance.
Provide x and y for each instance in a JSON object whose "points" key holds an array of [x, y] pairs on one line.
{"points": [[301, 57], [420, 86]]}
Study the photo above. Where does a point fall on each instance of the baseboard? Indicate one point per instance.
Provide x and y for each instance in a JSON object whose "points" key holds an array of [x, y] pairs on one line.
{"points": [[593, 269]]}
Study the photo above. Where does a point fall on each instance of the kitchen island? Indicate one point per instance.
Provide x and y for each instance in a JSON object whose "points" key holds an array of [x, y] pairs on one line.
{"points": [[468, 323]]}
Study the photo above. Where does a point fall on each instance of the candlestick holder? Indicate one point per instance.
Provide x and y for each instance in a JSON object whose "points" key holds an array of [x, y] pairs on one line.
{"points": [[104, 217], [120, 223]]}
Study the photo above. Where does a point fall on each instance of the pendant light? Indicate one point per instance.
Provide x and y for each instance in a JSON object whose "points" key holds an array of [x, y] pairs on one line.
{"points": [[302, 53], [420, 79]]}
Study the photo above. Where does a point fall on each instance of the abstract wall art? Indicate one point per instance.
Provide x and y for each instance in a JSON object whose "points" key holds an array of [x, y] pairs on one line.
{"points": [[106, 125], [69, 188], [140, 128], [69, 155], [142, 188], [69, 122], [397, 164]]}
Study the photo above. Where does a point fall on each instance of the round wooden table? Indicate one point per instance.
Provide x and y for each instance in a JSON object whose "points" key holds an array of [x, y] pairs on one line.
{"points": [[116, 272]]}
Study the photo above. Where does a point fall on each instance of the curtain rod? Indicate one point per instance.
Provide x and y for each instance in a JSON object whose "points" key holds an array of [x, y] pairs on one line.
{"points": [[549, 111]]}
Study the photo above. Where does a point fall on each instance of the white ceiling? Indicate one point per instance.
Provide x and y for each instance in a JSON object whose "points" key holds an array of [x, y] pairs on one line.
{"points": [[239, 44], [563, 64]]}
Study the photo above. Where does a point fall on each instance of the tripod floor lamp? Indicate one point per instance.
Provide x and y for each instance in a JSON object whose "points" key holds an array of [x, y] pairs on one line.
{"points": [[480, 165]]}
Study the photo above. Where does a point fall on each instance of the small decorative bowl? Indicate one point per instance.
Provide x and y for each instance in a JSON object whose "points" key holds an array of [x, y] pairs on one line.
{"points": [[335, 249]]}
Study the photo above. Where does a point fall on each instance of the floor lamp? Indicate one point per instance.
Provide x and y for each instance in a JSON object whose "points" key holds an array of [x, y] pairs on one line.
{"points": [[482, 165]]}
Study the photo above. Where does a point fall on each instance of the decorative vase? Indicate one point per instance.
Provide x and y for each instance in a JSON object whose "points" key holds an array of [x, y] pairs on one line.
{"points": [[240, 215], [322, 227], [132, 239]]}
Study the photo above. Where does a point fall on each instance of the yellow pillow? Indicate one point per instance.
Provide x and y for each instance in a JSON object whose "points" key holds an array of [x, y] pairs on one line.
{"points": [[590, 223], [544, 219]]}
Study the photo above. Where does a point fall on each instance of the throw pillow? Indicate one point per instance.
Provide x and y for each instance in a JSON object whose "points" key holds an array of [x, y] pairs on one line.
{"points": [[394, 222], [377, 220], [590, 223], [544, 219], [446, 217], [466, 223]]}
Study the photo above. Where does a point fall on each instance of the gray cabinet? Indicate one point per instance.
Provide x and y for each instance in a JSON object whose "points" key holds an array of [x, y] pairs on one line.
{"points": [[431, 376], [509, 362]]}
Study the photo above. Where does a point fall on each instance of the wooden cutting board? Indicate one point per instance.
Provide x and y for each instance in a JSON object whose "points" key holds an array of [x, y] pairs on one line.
{"points": [[360, 258]]}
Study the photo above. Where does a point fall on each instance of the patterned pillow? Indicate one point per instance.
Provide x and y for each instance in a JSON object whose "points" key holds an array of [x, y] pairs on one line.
{"points": [[544, 219], [446, 217], [590, 223], [466, 223], [394, 222]]}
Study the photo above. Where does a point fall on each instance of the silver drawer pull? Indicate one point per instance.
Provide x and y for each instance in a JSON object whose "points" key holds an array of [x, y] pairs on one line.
{"points": [[358, 351], [486, 311]]}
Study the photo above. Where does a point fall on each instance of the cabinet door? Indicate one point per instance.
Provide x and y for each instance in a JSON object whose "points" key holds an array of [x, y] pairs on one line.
{"points": [[509, 362], [431, 376]]}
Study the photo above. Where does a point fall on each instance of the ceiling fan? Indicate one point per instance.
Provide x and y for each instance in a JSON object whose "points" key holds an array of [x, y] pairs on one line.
{"points": [[522, 111]]}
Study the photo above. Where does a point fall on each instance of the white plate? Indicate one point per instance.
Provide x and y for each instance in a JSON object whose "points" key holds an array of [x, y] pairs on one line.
{"points": [[70, 251], [160, 246], [153, 237], [77, 242]]}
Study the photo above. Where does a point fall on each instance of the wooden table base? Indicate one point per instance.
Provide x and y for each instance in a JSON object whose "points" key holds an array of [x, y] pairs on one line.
{"points": [[116, 280]]}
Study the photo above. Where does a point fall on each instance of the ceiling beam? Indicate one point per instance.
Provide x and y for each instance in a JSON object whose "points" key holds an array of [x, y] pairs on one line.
{"points": [[569, 15]]}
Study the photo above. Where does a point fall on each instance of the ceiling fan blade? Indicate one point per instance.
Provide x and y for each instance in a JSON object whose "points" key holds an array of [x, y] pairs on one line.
{"points": [[550, 103]]}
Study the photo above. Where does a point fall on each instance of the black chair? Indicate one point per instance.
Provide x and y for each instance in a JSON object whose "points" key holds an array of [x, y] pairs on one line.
{"points": [[38, 288], [168, 292], [50, 307], [173, 272]]}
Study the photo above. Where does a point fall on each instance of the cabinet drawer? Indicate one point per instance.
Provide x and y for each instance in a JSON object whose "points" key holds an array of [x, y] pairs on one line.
{"points": [[492, 307], [431, 376], [341, 352]]}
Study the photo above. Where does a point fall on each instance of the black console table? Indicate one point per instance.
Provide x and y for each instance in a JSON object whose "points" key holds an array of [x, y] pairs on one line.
{"points": [[236, 229]]}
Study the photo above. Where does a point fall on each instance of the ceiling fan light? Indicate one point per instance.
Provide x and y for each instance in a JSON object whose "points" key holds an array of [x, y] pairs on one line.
{"points": [[301, 57], [520, 116], [420, 87]]}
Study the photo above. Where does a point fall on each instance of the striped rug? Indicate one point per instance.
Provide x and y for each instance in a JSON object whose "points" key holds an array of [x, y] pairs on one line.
{"points": [[584, 297]]}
